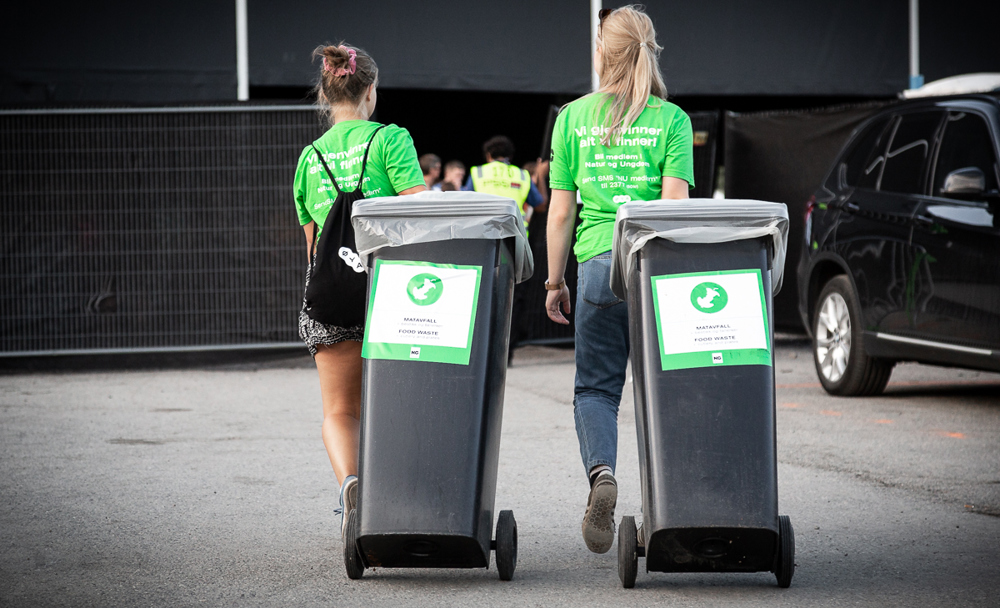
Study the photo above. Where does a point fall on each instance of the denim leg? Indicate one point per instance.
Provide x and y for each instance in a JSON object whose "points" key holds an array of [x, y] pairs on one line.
{"points": [[601, 356]]}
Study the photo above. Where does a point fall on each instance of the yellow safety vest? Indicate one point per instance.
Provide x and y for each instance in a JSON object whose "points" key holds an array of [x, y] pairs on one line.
{"points": [[502, 179]]}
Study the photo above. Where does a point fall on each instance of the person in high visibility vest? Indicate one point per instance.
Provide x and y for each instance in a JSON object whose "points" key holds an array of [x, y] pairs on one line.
{"points": [[500, 177]]}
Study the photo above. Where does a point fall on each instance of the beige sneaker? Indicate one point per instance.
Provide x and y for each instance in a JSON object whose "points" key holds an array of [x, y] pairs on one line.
{"points": [[599, 519]]}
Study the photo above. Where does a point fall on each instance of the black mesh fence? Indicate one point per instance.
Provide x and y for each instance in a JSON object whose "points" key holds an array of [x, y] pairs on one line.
{"points": [[173, 229], [150, 229]]}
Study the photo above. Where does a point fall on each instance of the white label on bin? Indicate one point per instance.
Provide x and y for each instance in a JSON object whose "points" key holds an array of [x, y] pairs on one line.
{"points": [[711, 318], [420, 310]]}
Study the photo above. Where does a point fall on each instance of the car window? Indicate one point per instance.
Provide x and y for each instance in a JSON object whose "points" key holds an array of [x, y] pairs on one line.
{"points": [[863, 163], [909, 148], [966, 143]]}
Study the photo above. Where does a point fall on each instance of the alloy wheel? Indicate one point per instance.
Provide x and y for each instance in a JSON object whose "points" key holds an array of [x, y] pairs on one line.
{"points": [[833, 337]]}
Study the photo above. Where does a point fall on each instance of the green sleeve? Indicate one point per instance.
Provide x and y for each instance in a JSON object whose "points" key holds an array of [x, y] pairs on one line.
{"points": [[679, 161], [561, 166], [299, 185], [400, 158]]}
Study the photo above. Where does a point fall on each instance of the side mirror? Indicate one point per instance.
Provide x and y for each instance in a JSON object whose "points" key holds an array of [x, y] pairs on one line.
{"points": [[967, 181]]}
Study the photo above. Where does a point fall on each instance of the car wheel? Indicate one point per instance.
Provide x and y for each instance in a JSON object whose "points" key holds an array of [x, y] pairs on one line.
{"points": [[843, 366]]}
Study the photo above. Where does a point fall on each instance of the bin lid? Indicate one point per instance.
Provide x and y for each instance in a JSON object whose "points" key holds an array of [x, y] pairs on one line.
{"points": [[696, 220], [430, 216]]}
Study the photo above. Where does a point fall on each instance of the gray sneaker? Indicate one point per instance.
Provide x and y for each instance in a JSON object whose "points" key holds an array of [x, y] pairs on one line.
{"points": [[599, 520], [348, 500]]}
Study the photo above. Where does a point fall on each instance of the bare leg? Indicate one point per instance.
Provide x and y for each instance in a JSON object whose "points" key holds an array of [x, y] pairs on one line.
{"points": [[339, 369]]}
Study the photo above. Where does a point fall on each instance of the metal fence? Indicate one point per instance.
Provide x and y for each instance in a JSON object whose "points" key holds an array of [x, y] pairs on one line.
{"points": [[137, 230], [150, 229]]}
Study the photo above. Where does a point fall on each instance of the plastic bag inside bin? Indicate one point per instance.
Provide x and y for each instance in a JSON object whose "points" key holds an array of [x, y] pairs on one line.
{"points": [[696, 220], [431, 216]]}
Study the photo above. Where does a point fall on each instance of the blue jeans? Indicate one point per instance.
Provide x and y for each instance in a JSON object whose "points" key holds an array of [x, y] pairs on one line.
{"points": [[601, 356]]}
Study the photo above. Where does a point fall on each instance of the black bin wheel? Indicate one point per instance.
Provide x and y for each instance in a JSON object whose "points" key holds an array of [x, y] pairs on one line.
{"points": [[352, 557], [628, 553], [506, 545], [786, 552]]}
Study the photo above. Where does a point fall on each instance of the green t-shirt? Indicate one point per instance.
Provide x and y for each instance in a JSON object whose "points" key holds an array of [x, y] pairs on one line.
{"points": [[392, 167], [658, 145]]}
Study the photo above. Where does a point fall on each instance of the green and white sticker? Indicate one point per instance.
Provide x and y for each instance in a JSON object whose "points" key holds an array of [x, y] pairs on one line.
{"points": [[419, 311], [704, 319]]}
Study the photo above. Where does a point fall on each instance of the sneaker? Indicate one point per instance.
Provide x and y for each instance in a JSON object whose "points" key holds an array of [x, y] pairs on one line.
{"points": [[348, 500], [599, 520]]}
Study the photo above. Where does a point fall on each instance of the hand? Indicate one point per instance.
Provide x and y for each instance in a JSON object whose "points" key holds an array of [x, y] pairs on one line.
{"points": [[542, 169], [553, 299]]}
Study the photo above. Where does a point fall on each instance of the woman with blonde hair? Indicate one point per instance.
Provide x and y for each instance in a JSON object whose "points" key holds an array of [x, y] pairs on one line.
{"points": [[354, 159], [622, 142]]}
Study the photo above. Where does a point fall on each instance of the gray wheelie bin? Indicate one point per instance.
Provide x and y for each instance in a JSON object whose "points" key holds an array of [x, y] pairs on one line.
{"points": [[699, 276], [442, 268]]}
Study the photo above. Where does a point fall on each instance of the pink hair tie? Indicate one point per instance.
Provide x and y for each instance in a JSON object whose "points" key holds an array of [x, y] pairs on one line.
{"points": [[352, 64]]}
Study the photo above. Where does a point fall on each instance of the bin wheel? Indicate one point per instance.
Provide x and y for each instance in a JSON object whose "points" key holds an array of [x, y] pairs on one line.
{"points": [[786, 552], [628, 554], [506, 545], [352, 557]]}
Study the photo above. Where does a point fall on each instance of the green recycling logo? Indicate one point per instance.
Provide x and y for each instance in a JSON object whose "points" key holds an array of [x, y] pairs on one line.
{"points": [[709, 297], [424, 289]]}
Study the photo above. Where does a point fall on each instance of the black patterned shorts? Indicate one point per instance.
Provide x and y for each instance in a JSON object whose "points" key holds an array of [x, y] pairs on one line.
{"points": [[314, 333]]}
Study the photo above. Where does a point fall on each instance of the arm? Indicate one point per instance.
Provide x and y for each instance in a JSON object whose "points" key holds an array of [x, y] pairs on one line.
{"points": [[559, 234], [542, 179], [674, 188], [308, 228], [414, 190]]}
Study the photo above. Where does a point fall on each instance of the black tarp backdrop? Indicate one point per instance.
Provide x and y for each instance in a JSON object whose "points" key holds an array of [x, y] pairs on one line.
{"points": [[185, 50], [783, 47], [151, 52], [782, 157], [518, 45]]}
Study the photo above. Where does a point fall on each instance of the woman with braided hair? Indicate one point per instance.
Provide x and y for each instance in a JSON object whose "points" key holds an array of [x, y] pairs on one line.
{"points": [[364, 159]]}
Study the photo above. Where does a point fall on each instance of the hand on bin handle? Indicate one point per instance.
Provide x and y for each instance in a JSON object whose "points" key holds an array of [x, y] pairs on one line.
{"points": [[552, 301]]}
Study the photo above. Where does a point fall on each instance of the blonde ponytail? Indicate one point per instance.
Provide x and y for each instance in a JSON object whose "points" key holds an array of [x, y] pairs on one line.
{"points": [[629, 69]]}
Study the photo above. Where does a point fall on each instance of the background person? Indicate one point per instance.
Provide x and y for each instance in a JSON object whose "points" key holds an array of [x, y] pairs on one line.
{"points": [[454, 174], [500, 177], [347, 91], [430, 165], [627, 117]]}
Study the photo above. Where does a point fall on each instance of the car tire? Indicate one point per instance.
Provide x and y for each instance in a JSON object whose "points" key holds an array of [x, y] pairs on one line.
{"points": [[843, 366]]}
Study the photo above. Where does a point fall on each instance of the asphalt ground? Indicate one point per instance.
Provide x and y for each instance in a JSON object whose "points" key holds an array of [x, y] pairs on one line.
{"points": [[210, 486]]}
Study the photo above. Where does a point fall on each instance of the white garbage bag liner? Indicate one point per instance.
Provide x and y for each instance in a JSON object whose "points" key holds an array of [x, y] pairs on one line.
{"points": [[696, 220], [431, 216]]}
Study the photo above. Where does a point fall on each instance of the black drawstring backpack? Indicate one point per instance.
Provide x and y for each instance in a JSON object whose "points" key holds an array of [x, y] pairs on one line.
{"points": [[337, 280]]}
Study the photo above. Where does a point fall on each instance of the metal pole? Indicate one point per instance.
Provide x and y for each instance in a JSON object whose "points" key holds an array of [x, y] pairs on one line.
{"points": [[595, 7], [242, 53], [916, 78]]}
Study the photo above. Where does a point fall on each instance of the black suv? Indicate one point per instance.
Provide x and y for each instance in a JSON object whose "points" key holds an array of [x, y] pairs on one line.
{"points": [[901, 258]]}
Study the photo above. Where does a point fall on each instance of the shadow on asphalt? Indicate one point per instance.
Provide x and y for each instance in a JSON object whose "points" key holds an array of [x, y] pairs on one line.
{"points": [[987, 390], [251, 359]]}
